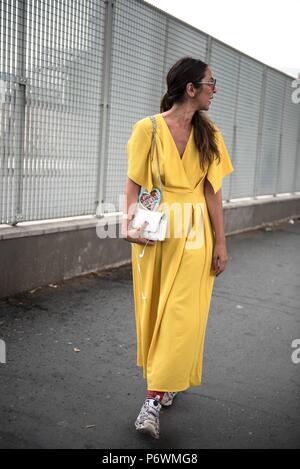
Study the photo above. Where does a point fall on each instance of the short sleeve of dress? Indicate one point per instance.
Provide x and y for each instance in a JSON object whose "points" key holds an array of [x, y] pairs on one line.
{"points": [[216, 171], [138, 152]]}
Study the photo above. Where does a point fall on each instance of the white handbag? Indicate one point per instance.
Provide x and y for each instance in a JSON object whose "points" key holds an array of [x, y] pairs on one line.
{"points": [[157, 224], [148, 204]]}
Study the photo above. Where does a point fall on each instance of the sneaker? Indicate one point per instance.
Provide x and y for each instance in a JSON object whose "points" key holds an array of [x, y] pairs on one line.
{"points": [[167, 399], [148, 418]]}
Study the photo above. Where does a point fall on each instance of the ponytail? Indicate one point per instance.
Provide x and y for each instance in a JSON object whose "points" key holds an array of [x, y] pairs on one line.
{"points": [[166, 103]]}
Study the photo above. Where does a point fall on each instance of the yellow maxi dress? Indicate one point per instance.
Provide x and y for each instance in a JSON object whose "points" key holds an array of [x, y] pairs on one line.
{"points": [[176, 275]]}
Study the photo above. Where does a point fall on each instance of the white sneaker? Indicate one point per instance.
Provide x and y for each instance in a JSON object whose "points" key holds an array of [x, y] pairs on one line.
{"points": [[148, 419], [167, 399]]}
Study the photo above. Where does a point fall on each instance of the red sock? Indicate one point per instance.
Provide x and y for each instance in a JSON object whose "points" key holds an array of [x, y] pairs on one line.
{"points": [[152, 394]]}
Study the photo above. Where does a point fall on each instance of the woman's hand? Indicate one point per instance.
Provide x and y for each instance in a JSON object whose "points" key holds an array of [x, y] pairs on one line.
{"points": [[220, 258], [133, 235]]}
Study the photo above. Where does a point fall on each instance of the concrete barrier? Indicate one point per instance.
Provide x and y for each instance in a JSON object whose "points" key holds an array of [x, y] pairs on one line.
{"points": [[35, 254]]}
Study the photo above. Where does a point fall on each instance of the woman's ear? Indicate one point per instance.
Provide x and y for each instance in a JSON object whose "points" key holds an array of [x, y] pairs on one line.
{"points": [[190, 90]]}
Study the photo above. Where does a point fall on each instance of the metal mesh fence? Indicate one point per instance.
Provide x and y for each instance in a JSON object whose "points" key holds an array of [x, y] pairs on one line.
{"points": [[75, 76], [51, 68]]}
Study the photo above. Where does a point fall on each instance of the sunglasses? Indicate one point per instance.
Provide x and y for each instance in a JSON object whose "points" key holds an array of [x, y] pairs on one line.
{"points": [[212, 83]]}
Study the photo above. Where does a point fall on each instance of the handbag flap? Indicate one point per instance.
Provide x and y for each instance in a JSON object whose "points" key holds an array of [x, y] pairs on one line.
{"points": [[142, 215]]}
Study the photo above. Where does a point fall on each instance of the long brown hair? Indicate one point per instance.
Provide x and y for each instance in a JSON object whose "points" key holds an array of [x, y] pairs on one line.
{"points": [[188, 70]]}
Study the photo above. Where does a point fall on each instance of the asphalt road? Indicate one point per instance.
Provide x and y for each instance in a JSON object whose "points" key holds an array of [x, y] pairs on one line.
{"points": [[70, 379]]}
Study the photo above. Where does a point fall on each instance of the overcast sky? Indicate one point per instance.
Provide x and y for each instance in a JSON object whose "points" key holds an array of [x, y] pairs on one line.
{"points": [[267, 30]]}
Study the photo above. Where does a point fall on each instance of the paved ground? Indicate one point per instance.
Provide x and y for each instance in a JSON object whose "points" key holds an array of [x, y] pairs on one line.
{"points": [[54, 397]]}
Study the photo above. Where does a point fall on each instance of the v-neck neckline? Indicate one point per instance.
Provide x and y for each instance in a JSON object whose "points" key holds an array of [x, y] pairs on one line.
{"points": [[187, 143]]}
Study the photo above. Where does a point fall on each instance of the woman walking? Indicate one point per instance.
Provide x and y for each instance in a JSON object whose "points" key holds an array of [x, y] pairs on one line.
{"points": [[173, 281]]}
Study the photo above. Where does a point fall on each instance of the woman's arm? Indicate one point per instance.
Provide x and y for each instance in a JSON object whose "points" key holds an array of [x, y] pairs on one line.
{"points": [[215, 209], [131, 194]]}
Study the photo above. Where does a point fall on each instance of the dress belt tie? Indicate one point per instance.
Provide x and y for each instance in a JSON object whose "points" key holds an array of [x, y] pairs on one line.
{"points": [[144, 297]]}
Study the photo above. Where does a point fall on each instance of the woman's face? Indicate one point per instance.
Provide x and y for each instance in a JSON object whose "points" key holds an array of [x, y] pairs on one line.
{"points": [[206, 92]]}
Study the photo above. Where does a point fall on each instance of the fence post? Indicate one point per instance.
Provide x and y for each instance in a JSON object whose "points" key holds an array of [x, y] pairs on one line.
{"points": [[260, 131], [297, 157], [19, 110], [164, 68], [208, 50], [233, 151], [106, 80], [280, 144]]}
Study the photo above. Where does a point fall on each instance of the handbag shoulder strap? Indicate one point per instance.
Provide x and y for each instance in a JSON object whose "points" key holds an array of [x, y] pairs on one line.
{"points": [[153, 120]]}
